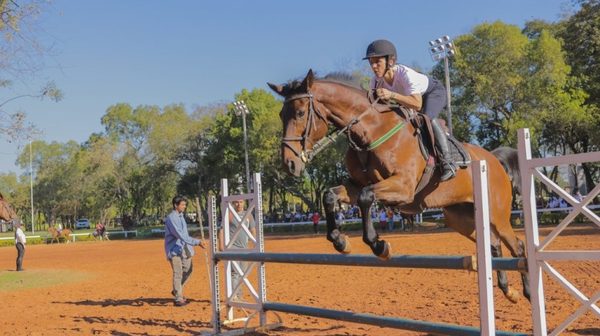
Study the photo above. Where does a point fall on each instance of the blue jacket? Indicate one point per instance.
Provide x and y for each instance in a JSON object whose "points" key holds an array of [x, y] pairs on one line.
{"points": [[177, 237]]}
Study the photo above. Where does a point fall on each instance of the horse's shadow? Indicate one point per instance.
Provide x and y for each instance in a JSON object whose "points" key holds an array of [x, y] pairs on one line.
{"points": [[138, 302]]}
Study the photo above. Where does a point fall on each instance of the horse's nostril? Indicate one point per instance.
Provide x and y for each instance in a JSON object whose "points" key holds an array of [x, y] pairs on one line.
{"points": [[291, 166]]}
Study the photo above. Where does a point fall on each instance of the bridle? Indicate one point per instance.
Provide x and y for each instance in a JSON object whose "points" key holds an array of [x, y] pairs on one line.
{"points": [[313, 112], [307, 155]]}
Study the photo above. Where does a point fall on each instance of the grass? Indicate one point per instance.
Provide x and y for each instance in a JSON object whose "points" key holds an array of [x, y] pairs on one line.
{"points": [[39, 278]]}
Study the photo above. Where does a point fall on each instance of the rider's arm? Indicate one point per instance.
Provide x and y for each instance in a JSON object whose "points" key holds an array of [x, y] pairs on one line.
{"points": [[414, 101]]}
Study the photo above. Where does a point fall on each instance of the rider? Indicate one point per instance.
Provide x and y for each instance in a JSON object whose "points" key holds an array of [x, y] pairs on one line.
{"points": [[407, 87], [100, 229]]}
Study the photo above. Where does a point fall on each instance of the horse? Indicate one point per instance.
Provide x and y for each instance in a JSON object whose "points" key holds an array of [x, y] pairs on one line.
{"points": [[389, 172], [100, 234], [7, 213], [55, 235]]}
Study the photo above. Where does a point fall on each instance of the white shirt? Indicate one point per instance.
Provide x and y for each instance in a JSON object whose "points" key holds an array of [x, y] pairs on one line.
{"points": [[20, 236], [406, 81]]}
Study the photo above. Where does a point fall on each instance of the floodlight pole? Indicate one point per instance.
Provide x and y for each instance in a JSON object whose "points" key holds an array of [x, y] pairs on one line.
{"points": [[443, 48], [242, 109], [448, 95], [31, 184]]}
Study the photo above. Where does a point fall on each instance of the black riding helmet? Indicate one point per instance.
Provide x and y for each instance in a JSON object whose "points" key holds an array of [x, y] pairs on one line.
{"points": [[380, 48]]}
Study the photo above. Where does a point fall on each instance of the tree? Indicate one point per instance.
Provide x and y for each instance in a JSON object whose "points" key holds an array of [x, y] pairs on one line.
{"points": [[58, 180], [503, 81], [150, 140], [580, 34], [20, 55]]}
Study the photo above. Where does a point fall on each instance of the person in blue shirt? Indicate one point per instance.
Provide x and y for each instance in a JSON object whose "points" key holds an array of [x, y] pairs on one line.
{"points": [[179, 247]]}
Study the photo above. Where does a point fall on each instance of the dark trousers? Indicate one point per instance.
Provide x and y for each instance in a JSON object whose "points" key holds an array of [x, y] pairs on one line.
{"points": [[20, 255], [434, 99]]}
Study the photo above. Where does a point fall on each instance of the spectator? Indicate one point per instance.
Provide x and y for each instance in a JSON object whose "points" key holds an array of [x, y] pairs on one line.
{"points": [[562, 203], [20, 241], [390, 219], [382, 219], [315, 220], [577, 195], [398, 219], [339, 218], [553, 202]]}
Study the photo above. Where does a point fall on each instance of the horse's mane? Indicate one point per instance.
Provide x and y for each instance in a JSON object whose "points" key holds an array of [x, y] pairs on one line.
{"points": [[340, 77], [345, 78]]}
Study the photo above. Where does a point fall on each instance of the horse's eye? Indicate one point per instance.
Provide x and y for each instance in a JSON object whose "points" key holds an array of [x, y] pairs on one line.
{"points": [[301, 113]]}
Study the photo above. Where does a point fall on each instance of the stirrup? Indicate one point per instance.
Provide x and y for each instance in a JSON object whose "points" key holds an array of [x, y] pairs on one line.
{"points": [[448, 171]]}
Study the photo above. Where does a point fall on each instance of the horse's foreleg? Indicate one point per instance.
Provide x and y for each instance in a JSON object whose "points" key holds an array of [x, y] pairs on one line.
{"points": [[380, 248], [392, 191], [345, 193]]}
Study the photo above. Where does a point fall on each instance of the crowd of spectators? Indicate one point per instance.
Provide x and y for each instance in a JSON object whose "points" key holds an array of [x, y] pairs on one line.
{"points": [[388, 218]]}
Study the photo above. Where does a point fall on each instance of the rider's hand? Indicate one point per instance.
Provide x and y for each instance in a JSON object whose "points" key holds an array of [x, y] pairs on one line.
{"points": [[202, 244], [384, 93]]}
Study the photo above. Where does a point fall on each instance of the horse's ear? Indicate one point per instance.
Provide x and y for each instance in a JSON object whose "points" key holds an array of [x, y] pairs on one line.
{"points": [[308, 81], [276, 88]]}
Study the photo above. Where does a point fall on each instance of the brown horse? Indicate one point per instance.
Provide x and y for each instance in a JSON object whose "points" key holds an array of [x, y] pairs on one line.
{"points": [[55, 235], [390, 172], [7, 213]]}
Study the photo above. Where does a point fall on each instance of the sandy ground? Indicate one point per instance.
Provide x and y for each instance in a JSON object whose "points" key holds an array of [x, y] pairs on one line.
{"points": [[123, 288]]}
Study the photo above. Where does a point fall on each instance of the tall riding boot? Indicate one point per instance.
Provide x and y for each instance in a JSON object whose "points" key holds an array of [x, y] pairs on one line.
{"points": [[441, 142]]}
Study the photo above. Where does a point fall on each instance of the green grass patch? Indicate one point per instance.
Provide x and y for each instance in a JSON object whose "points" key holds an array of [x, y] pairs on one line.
{"points": [[39, 278]]}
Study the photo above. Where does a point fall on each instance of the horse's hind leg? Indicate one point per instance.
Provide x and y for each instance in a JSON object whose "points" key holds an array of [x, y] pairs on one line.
{"points": [[344, 193], [517, 250], [508, 291], [460, 217]]}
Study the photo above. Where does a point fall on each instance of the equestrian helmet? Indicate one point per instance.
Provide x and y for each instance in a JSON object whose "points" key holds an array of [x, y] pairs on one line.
{"points": [[380, 48]]}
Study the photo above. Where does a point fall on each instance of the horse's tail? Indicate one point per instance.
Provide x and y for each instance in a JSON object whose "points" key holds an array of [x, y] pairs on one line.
{"points": [[509, 158]]}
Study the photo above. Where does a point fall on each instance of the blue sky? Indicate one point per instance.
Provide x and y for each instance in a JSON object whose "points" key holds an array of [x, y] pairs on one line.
{"points": [[202, 52]]}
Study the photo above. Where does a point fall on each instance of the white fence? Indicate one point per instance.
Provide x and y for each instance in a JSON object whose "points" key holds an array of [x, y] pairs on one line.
{"points": [[110, 233]]}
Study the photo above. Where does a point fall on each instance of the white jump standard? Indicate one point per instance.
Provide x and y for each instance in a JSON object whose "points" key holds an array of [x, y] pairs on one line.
{"points": [[257, 255]]}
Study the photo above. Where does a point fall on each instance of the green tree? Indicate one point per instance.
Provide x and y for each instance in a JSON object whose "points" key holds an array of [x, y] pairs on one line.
{"points": [[149, 138], [503, 80], [580, 34]]}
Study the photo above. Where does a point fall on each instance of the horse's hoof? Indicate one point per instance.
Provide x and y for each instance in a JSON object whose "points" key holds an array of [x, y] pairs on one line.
{"points": [[347, 247], [512, 295], [386, 254], [342, 245]]}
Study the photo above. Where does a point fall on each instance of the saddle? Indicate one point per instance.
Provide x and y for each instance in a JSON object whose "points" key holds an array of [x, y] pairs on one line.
{"points": [[426, 139]]}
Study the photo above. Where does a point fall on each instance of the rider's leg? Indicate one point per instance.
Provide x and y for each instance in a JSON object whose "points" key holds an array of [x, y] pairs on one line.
{"points": [[441, 142]]}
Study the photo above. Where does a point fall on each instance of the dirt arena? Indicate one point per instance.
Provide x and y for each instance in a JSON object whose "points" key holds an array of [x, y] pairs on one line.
{"points": [[123, 288]]}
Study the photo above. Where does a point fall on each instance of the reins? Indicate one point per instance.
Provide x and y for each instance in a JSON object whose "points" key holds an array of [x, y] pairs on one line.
{"points": [[308, 155]]}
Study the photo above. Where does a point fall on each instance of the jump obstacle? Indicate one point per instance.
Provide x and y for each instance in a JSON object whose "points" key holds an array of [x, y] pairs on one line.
{"points": [[255, 257]]}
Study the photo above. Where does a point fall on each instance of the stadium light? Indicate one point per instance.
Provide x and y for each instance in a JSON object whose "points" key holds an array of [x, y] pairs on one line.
{"points": [[442, 48], [241, 109]]}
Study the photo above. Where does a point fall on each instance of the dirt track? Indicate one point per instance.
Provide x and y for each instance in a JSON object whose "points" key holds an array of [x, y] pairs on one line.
{"points": [[122, 288]]}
